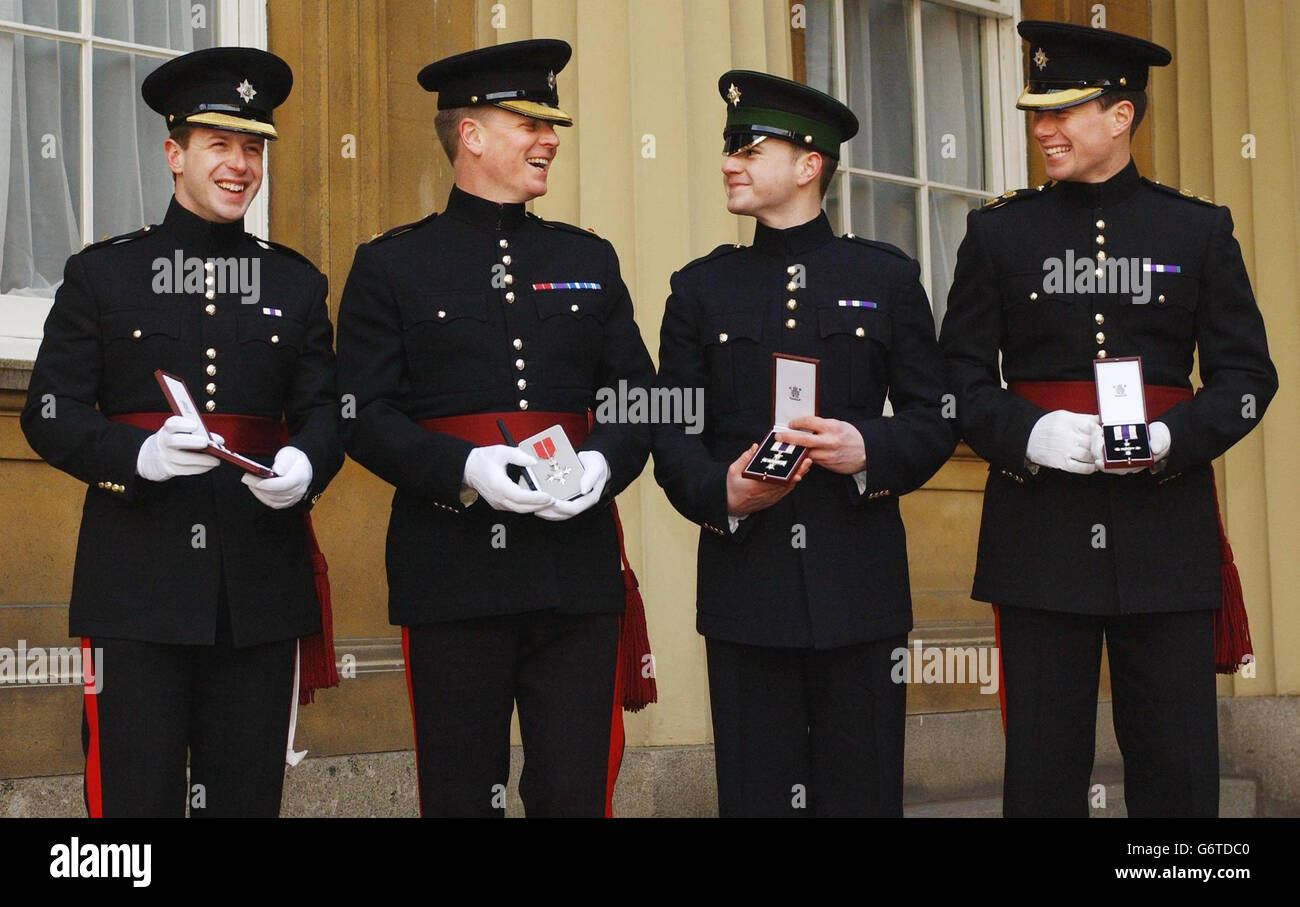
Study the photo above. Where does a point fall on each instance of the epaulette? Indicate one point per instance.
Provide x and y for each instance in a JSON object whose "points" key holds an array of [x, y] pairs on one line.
{"points": [[1181, 193], [725, 249], [1013, 195], [114, 240], [561, 225], [876, 244], [398, 231], [292, 253]]}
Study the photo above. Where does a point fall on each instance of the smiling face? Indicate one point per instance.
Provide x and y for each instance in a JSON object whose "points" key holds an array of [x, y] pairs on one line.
{"points": [[1084, 144], [774, 182], [217, 172], [505, 157]]}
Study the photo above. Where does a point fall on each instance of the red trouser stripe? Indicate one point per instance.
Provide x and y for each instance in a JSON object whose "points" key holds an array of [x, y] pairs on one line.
{"points": [[1002, 677], [410, 694], [615, 731], [94, 788]]}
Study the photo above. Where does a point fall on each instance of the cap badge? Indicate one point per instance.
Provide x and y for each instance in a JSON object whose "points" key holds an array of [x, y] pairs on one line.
{"points": [[550, 80], [1040, 59], [246, 91], [733, 95]]}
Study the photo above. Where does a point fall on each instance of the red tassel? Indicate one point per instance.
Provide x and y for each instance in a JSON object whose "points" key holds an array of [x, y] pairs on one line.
{"points": [[636, 678], [316, 652], [1232, 646]]}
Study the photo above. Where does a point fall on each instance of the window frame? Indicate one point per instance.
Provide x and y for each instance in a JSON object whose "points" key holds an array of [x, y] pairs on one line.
{"points": [[1006, 164], [239, 22]]}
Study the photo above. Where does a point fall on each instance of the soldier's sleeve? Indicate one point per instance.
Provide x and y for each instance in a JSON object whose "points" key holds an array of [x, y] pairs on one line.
{"points": [[995, 422], [905, 449], [377, 431], [1237, 375], [623, 358], [311, 407], [695, 484], [60, 418]]}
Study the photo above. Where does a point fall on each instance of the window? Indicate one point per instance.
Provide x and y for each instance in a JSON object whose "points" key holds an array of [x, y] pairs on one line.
{"points": [[82, 157], [933, 86]]}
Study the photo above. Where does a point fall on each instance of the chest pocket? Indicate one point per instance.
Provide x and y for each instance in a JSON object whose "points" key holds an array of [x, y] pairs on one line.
{"points": [[1166, 323], [446, 340], [740, 370], [141, 325], [136, 342], [266, 354], [571, 330], [855, 344]]}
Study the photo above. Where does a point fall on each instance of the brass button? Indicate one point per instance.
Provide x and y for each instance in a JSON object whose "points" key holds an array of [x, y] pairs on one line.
{"points": [[275, 338], [1101, 225], [211, 370], [510, 297], [790, 323], [509, 279], [791, 304], [792, 270], [860, 332], [1033, 296], [518, 344], [573, 308], [523, 404], [211, 294], [521, 384], [792, 286], [503, 244], [210, 389], [1101, 338], [505, 259], [1101, 256], [210, 353], [442, 313], [1099, 272], [1099, 318], [1160, 300], [209, 281], [849, 235], [1101, 240], [210, 308], [208, 266], [519, 364], [1101, 354], [210, 405], [136, 334], [722, 338]]}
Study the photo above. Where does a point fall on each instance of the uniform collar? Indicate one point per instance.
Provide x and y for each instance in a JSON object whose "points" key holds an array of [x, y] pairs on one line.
{"points": [[793, 240], [483, 213], [199, 234], [1100, 195]]}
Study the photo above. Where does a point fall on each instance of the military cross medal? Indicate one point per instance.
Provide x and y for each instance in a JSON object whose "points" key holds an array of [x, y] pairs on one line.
{"points": [[545, 450]]}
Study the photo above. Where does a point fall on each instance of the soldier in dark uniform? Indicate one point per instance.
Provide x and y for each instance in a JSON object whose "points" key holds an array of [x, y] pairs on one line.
{"points": [[195, 585], [486, 312], [802, 589], [1071, 555]]}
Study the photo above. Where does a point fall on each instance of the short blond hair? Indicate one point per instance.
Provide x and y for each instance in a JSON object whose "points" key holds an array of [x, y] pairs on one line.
{"points": [[447, 125]]}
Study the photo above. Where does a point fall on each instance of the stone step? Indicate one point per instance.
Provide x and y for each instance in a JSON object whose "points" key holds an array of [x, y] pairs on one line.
{"points": [[1238, 799]]}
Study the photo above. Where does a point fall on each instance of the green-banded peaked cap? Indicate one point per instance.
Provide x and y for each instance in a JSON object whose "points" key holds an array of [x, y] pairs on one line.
{"points": [[761, 106]]}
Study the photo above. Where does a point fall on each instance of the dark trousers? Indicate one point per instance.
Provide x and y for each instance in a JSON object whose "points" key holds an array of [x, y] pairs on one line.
{"points": [[807, 732], [465, 678], [228, 707], [1162, 695]]}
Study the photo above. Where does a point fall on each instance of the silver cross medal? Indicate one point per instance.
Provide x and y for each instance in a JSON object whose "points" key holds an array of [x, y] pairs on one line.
{"points": [[1127, 449], [773, 462], [556, 473]]}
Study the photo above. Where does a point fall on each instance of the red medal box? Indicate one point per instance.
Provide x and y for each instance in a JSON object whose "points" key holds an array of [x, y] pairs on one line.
{"points": [[796, 390], [1121, 405]]}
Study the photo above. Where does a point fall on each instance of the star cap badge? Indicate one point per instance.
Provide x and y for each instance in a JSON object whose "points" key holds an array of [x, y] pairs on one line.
{"points": [[246, 91], [550, 80], [733, 95], [1040, 59]]}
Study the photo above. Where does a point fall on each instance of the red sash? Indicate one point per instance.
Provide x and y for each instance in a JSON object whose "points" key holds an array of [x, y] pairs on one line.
{"points": [[632, 687], [261, 437], [1231, 628]]}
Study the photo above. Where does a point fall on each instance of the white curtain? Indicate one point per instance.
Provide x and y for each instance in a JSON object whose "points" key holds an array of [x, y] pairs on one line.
{"points": [[40, 154]]}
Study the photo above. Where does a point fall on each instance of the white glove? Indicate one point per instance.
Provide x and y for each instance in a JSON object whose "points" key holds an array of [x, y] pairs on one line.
{"points": [[595, 473], [1064, 440], [485, 472], [292, 479], [174, 450], [1157, 436]]}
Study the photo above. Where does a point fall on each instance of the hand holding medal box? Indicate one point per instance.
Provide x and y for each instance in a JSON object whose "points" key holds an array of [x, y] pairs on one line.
{"points": [[182, 404], [558, 471], [1121, 405], [795, 389]]}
